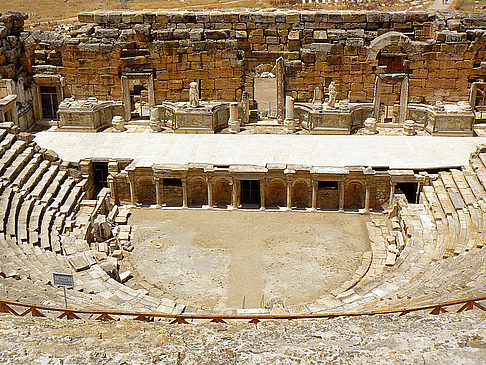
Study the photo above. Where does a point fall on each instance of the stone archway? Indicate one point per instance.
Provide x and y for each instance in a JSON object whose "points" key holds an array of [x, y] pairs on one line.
{"points": [[197, 190], [222, 193], [354, 195], [276, 194], [391, 39], [301, 194]]}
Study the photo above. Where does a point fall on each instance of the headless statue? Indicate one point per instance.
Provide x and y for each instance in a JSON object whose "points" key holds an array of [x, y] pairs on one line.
{"points": [[193, 95], [332, 94]]}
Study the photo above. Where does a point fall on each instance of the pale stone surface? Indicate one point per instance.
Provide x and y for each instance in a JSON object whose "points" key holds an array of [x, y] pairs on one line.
{"points": [[334, 151], [216, 261], [409, 339]]}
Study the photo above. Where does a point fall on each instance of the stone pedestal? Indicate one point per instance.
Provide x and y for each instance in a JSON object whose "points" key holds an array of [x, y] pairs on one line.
{"points": [[409, 128], [156, 126], [290, 124], [118, 124], [370, 126], [233, 121]]}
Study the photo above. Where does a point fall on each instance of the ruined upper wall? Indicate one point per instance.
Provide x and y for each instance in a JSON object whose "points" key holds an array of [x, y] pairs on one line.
{"points": [[442, 53], [12, 60]]}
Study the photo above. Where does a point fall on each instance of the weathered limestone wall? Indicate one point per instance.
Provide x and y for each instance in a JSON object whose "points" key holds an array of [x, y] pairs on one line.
{"points": [[13, 62], [442, 53]]}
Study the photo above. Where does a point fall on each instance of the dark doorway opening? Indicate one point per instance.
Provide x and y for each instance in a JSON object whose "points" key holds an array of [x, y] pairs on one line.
{"points": [[410, 191], [100, 176], [250, 193], [49, 101]]}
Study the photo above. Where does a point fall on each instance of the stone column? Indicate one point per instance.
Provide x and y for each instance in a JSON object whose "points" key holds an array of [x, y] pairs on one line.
{"points": [[289, 195], [392, 193], [341, 196], [403, 101], [184, 193], [289, 122], [377, 98], [131, 181], [210, 193], [314, 195], [113, 190], [234, 195], [245, 108], [280, 89], [157, 192], [262, 194], [126, 98], [233, 122], [367, 198]]}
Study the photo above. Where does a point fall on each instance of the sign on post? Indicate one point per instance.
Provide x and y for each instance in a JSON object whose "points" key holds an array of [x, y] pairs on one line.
{"points": [[64, 280]]}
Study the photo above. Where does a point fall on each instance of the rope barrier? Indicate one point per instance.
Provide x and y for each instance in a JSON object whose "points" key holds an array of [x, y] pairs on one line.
{"points": [[103, 315]]}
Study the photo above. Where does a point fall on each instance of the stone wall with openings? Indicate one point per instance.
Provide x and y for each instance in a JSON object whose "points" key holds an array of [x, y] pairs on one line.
{"points": [[443, 53]]}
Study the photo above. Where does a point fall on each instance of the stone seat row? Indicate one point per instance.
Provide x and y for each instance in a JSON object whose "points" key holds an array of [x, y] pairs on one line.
{"points": [[444, 256], [37, 198]]}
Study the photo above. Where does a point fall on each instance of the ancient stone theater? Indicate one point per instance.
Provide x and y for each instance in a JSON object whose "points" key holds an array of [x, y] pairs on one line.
{"points": [[243, 162]]}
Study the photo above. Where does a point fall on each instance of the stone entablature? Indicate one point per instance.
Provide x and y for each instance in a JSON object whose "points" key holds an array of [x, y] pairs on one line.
{"points": [[278, 186], [88, 114]]}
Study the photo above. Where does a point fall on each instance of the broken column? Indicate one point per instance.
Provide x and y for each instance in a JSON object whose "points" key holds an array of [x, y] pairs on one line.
{"points": [[280, 70], [409, 128], [245, 108], [233, 121], [118, 123], [290, 125], [155, 122], [370, 126]]}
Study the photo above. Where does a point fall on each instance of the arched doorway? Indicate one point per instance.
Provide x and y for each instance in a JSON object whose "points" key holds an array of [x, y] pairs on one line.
{"points": [[301, 194], [197, 190], [354, 195], [222, 193], [276, 194]]}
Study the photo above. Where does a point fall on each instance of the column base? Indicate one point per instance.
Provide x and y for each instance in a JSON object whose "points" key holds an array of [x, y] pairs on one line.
{"points": [[340, 210], [313, 209], [158, 206], [262, 209]]}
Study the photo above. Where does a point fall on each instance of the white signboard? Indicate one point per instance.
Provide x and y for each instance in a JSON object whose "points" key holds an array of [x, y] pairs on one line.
{"points": [[66, 280]]}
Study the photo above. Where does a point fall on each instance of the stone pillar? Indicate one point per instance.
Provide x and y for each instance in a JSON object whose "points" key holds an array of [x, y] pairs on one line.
{"points": [[289, 195], [233, 122], [157, 192], [210, 193], [118, 123], [280, 89], [234, 195], [367, 198], [262, 194], [341, 196], [377, 98], [289, 123], [184, 193], [113, 190], [245, 108], [370, 126], [392, 193], [314, 195], [131, 181], [403, 101], [126, 98], [409, 128]]}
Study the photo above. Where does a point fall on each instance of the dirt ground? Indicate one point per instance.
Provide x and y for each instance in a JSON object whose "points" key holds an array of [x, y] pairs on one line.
{"points": [[234, 259]]}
